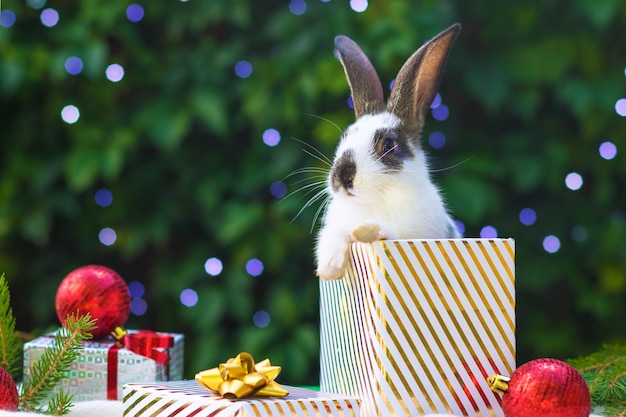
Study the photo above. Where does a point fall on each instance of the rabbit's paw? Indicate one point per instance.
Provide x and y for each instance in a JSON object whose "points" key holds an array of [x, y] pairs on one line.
{"points": [[368, 232], [333, 268]]}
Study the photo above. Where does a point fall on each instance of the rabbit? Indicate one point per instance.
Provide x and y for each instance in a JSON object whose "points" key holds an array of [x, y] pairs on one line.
{"points": [[379, 184]]}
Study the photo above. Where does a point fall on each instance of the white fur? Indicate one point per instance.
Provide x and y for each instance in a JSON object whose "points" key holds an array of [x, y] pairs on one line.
{"points": [[398, 205]]}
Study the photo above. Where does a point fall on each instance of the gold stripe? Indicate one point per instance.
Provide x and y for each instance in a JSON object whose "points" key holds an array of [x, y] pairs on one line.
{"points": [[475, 324], [413, 349], [148, 406], [475, 308], [433, 332], [492, 313], [506, 261], [137, 400], [366, 324], [291, 407], [164, 407], [368, 286], [495, 273], [460, 326], [444, 345]]}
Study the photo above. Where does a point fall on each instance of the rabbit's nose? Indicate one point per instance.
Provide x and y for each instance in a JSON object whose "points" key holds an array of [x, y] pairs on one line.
{"points": [[344, 171]]}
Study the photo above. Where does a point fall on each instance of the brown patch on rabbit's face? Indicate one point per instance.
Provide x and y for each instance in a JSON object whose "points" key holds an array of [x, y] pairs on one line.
{"points": [[343, 172], [391, 147]]}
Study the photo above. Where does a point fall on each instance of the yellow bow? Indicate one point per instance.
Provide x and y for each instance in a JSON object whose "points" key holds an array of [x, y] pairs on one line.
{"points": [[240, 377]]}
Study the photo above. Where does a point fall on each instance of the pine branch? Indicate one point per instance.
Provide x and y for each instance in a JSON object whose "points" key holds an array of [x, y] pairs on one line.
{"points": [[53, 364], [60, 404], [614, 411], [605, 374], [10, 348]]}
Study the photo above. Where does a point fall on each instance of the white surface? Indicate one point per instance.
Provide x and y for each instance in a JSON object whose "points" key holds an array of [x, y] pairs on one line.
{"points": [[114, 409], [83, 409]]}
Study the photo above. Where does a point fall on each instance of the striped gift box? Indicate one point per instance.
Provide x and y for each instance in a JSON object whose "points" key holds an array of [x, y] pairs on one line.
{"points": [[187, 398], [416, 326]]}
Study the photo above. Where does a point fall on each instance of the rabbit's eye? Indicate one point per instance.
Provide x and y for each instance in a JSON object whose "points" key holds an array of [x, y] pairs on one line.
{"points": [[389, 145]]}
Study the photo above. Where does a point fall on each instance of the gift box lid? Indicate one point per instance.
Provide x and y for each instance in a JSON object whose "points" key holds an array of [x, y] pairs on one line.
{"points": [[170, 398]]}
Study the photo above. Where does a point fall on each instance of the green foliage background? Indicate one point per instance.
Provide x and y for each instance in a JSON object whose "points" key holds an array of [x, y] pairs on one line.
{"points": [[531, 88]]}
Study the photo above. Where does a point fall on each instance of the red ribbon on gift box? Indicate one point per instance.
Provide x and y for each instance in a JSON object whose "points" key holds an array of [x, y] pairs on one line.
{"points": [[146, 343]]}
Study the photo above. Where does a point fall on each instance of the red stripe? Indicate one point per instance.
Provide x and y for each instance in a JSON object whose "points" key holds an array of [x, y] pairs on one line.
{"points": [[112, 372]]}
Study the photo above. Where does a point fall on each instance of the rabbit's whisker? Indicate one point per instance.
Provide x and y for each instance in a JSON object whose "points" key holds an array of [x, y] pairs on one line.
{"points": [[312, 187], [326, 120], [322, 207], [310, 202], [317, 154], [387, 152], [452, 166], [308, 170]]}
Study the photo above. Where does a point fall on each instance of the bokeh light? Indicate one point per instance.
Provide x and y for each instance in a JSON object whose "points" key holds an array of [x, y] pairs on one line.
{"points": [[114, 72], [578, 233], [437, 140], [436, 101], [188, 297], [36, 4], [527, 217], [620, 107], [107, 236], [297, 7], [103, 197], [391, 84], [213, 266], [134, 12], [254, 267], [73, 65], [551, 244], [49, 17], [350, 102], [441, 112], [278, 189], [136, 289], [261, 319], [460, 226], [7, 18], [271, 137], [607, 150], [488, 232], [573, 181], [358, 6], [243, 69], [70, 114], [138, 306]]}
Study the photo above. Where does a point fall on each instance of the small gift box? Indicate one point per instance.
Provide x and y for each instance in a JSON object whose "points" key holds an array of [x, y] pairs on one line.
{"points": [[415, 327], [187, 398], [104, 366]]}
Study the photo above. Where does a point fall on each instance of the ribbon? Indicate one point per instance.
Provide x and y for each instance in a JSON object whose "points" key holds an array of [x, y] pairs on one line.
{"points": [[498, 383], [240, 377], [146, 343]]}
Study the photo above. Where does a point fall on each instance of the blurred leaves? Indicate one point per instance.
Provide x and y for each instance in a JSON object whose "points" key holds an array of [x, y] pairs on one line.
{"points": [[531, 87]]}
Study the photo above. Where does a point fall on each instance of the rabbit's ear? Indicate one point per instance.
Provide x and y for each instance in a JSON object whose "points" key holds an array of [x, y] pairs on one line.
{"points": [[367, 92], [417, 82]]}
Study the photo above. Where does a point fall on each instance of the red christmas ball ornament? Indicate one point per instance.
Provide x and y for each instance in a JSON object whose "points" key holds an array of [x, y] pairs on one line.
{"points": [[9, 399], [96, 290], [543, 388]]}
